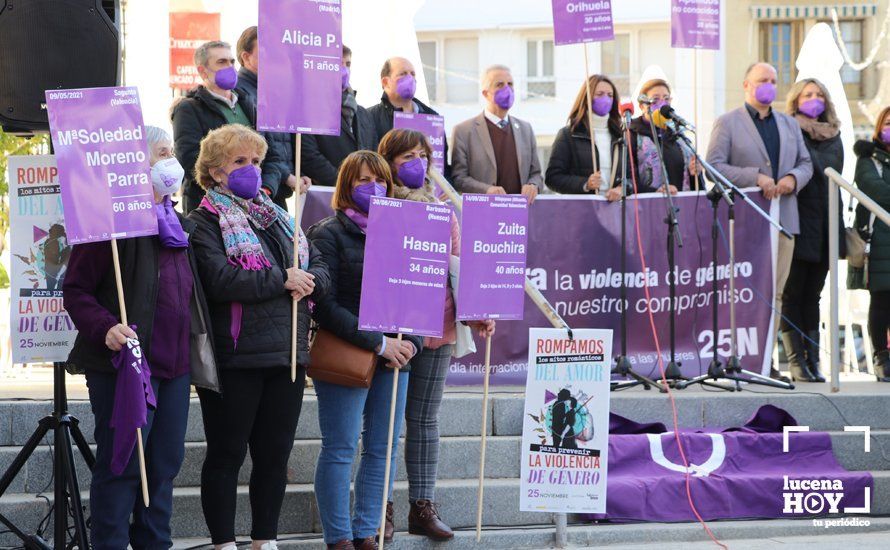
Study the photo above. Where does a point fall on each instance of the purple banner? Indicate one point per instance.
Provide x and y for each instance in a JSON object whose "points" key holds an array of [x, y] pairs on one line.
{"points": [[493, 248], [406, 267], [695, 24], [102, 157], [574, 258], [432, 126], [300, 52], [575, 21]]}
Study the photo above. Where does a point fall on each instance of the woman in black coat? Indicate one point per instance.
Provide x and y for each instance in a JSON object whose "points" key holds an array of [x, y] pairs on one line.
{"points": [[572, 169], [245, 253], [809, 103]]}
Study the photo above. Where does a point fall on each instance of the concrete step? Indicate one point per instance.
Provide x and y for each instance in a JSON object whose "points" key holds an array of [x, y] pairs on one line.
{"points": [[299, 513]]}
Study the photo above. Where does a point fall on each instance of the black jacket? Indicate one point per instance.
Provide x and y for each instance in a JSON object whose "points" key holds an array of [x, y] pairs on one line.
{"points": [[139, 275], [571, 164], [265, 336], [876, 185], [193, 117], [281, 142], [811, 245], [382, 113], [322, 155], [342, 247]]}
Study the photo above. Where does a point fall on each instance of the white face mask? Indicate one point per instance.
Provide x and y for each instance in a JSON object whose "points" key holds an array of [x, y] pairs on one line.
{"points": [[166, 176]]}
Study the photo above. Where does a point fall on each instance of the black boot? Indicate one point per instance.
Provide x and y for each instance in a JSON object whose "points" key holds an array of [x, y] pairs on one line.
{"points": [[882, 365], [794, 351], [812, 345]]}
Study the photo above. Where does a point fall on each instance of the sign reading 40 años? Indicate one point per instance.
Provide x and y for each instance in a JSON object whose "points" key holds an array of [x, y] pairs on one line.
{"points": [[565, 430], [41, 328]]}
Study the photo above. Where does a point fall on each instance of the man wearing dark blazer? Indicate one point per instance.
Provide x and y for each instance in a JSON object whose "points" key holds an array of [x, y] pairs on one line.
{"points": [[756, 146], [495, 152]]}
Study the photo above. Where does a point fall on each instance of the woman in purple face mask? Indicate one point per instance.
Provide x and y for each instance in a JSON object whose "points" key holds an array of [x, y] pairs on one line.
{"points": [[809, 103], [345, 412], [680, 166], [572, 169], [163, 299], [873, 178], [408, 153], [245, 252]]}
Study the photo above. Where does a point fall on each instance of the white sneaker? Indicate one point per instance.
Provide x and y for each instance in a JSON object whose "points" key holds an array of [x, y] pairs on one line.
{"points": [[271, 545], [230, 546]]}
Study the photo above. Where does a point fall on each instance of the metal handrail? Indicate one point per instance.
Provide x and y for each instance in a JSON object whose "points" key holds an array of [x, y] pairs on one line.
{"points": [[833, 252]]}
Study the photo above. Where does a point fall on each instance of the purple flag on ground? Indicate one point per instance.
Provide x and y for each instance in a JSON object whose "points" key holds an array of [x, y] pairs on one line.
{"points": [[575, 22], [406, 267], [695, 24], [133, 395], [432, 126], [299, 88], [493, 248], [103, 163]]}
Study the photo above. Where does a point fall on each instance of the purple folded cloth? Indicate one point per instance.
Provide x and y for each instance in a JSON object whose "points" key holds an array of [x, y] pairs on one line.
{"points": [[133, 395]]}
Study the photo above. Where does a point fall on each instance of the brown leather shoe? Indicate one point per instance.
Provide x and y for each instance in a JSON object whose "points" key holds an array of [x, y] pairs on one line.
{"points": [[342, 545], [423, 519], [389, 528], [368, 543]]}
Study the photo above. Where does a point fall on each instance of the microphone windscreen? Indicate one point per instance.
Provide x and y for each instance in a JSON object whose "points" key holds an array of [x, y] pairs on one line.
{"points": [[626, 107], [659, 119]]}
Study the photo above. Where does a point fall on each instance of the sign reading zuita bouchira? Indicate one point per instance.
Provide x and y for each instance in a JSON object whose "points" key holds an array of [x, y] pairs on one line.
{"points": [[565, 430]]}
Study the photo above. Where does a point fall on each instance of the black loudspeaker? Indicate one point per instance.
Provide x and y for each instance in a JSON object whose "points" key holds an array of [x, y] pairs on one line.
{"points": [[53, 44]]}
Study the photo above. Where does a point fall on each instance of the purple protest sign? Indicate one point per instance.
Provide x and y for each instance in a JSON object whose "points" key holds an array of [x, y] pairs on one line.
{"points": [[432, 126], [575, 22], [301, 52], [494, 243], [695, 24], [103, 166], [406, 267]]}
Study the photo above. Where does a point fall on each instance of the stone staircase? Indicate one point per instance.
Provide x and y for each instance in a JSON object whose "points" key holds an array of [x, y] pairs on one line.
{"points": [[859, 403]]}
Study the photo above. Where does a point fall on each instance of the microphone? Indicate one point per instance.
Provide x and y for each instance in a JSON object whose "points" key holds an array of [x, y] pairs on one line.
{"points": [[644, 100], [669, 113], [627, 111]]}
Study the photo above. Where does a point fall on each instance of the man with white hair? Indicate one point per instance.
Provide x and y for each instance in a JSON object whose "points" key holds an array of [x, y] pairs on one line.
{"points": [[494, 152]]}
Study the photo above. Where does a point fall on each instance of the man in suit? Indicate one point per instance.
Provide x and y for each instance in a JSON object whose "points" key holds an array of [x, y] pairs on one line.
{"points": [[494, 152], [756, 146], [322, 155]]}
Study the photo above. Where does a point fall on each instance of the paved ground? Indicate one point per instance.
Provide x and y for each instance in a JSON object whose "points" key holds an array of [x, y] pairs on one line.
{"points": [[832, 540]]}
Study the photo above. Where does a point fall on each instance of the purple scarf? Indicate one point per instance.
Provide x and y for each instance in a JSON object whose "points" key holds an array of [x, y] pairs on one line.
{"points": [[133, 395], [169, 229], [360, 218]]}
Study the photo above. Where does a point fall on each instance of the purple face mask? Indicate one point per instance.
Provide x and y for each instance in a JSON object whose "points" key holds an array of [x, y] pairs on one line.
{"points": [[362, 194], [812, 107], [504, 97], [602, 105], [885, 135], [226, 78], [655, 107], [765, 94], [406, 86], [344, 76], [245, 182], [412, 173]]}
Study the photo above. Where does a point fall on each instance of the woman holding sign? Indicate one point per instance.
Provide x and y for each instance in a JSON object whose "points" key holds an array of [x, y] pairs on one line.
{"points": [[408, 153], [345, 412], [164, 301], [244, 248]]}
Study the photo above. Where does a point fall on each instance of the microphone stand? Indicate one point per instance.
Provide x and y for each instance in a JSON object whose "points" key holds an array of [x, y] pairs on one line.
{"points": [[622, 365], [724, 190]]}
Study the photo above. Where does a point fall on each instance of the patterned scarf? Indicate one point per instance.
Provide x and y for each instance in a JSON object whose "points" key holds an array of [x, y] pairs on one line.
{"points": [[236, 215]]}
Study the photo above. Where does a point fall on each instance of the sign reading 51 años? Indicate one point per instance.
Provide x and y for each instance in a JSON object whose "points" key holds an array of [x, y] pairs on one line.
{"points": [[41, 328], [565, 430]]}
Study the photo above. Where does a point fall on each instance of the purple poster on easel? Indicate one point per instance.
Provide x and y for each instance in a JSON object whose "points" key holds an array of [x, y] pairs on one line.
{"points": [[575, 21], [695, 24], [102, 159], [299, 87], [406, 267], [493, 248], [432, 126]]}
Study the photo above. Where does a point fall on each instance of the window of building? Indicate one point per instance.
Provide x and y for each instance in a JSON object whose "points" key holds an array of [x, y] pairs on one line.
{"points": [[461, 62], [780, 43], [430, 63], [615, 61], [539, 69], [851, 32]]}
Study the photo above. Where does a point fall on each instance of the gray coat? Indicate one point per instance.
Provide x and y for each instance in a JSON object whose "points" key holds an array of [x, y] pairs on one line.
{"points": [[473, 167], [737, 151]]}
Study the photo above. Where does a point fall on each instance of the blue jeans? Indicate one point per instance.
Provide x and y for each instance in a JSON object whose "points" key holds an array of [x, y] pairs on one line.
{"points": [[343, 412], [114, 498]]}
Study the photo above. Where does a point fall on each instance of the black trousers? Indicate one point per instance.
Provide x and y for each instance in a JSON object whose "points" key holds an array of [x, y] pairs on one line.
{"points": [[800, 298], [879, 319], [258, 409]]}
